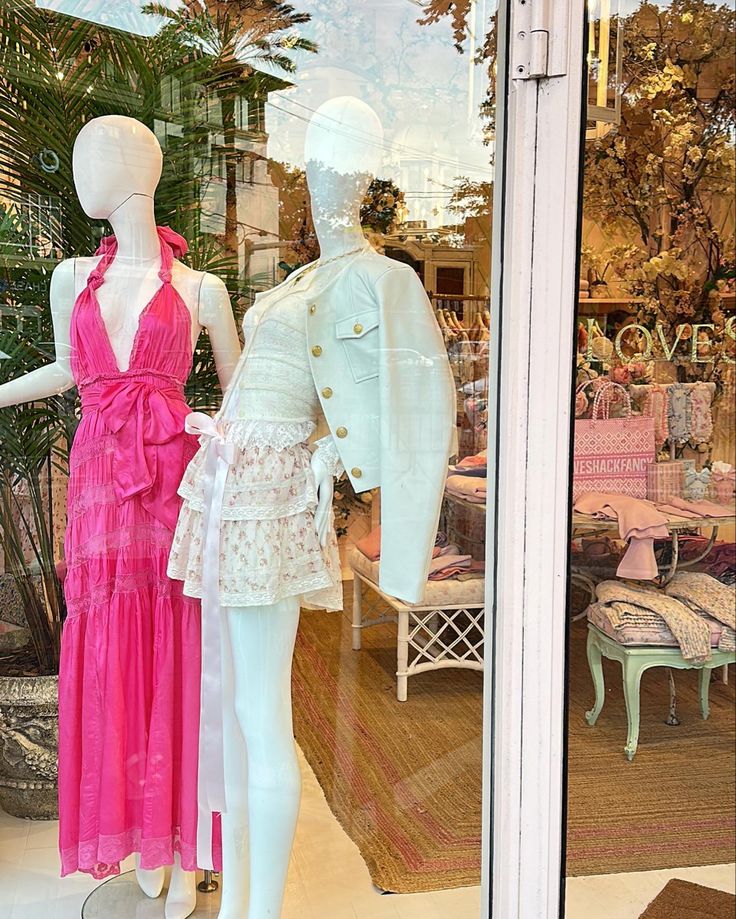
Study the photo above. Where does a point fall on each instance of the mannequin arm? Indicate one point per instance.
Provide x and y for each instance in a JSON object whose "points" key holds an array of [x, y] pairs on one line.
{"points": [[54, 378], [327, 451], [216, 315], [326, 465]]}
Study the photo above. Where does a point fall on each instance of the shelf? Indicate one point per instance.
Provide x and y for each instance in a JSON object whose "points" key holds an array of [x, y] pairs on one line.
{"points": [[602, 306]]}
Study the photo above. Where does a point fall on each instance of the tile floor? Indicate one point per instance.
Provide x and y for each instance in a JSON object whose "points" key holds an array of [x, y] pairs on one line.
{"points": [[327, 880]]}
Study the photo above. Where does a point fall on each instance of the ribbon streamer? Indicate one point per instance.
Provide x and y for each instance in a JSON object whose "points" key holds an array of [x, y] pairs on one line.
{"points": [[211, 778]]}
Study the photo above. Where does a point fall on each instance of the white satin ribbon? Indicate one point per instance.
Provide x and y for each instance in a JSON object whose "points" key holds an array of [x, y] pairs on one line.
{"points": [[211, 778]]}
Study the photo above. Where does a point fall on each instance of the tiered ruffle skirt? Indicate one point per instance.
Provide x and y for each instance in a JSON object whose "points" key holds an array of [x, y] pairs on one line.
{"points": [[269, 548]]}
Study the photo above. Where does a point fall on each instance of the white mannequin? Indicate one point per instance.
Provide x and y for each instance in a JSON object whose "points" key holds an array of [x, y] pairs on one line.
{"points": [[117, 165], [263, 798]]}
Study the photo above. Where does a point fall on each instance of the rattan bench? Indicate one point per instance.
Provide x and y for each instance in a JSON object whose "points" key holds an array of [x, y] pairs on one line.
{"points": [[444, 630]]}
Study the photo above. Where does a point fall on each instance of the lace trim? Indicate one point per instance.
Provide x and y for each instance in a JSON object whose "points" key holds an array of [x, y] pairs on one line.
{"points": [[104, 592], [327, 452], [101, 856], [279, 435], [248, 510], [146, 535], [87, 498], [257, 499], [294, 587], [92, 450]]}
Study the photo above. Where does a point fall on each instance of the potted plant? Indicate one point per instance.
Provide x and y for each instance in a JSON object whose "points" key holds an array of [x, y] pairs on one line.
{"points": [[32, 439]]}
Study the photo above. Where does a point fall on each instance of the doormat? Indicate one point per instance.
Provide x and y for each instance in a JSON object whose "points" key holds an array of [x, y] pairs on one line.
{"points": [[683, 900]]}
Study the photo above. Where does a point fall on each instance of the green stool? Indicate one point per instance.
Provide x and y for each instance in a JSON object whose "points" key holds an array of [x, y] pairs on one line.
{"points": [[634, 660]]}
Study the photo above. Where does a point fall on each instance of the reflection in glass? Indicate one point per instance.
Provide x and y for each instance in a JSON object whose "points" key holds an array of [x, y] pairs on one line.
{"points": [[229, 89]]}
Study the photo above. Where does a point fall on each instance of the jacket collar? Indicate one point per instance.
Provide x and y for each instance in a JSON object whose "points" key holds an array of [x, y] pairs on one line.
{"points": [[317, 286]]}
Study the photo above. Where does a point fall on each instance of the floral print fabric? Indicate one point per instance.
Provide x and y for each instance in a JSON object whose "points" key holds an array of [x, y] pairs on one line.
{"points": [[269, 547]]}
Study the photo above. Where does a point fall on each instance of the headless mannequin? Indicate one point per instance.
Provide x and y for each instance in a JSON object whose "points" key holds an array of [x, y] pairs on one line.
{"points": [[117, 166], [263, 798]]}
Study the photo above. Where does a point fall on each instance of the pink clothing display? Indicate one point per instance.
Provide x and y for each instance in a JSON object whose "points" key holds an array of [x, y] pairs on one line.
{"points": [[370, 545], [638, 521], [130, 663], [679, 507], [449, 564]]}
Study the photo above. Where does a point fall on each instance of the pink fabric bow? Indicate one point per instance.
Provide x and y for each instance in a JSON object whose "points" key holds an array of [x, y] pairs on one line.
{"points": [[724, 476], [144, 416]]}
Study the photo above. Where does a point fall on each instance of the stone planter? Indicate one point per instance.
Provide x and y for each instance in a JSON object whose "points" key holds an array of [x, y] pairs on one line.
{"points": [[29, 740]]}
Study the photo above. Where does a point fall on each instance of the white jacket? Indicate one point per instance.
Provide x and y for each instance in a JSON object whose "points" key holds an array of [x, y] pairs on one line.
{"points": [[384, 382]]}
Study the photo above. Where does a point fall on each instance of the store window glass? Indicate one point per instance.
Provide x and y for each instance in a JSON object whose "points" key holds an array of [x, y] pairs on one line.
{"points": [[652, 645], [291, 203]]}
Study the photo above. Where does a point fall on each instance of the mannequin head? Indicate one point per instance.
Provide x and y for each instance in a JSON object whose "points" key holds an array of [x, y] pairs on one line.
{"points": [[342, 151], [114, 157]]}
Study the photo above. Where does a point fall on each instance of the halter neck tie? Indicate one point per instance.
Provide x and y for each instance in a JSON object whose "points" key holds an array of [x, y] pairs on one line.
{"points": [[172, 246]]}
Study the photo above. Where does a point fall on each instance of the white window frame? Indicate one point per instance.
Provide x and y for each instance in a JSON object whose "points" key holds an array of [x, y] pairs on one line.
{"points": [[540, 130]]}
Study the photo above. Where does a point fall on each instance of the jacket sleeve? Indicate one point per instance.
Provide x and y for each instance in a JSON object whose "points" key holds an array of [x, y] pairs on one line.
{"points": [[417, 405]]}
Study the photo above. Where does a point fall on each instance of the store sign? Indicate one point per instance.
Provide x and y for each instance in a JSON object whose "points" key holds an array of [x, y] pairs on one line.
{"points": [[691, 342]]}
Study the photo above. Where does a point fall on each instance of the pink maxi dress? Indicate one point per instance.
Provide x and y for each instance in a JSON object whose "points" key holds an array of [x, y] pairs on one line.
{"points": [[129, 680]]}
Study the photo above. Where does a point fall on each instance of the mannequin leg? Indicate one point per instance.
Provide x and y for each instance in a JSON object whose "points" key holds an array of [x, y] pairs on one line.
{"points": [[182, 896], [262, 646], [150, 880], [235, 874]]}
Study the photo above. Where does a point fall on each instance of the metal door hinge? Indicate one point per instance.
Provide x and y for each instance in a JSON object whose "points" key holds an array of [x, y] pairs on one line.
{"points": [[539, 39]]}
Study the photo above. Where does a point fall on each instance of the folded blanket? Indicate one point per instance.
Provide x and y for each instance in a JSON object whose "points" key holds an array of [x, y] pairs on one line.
{"points": [[448, 566], [691, 630], [467, 488], [370, 545], [701, 592]]}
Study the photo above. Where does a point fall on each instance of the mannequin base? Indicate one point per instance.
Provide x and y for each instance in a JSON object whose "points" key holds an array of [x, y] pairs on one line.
{"points": [[121, 896]]}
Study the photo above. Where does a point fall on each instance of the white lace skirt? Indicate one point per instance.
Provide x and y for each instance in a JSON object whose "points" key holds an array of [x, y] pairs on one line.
{"points": [[269, 547]]}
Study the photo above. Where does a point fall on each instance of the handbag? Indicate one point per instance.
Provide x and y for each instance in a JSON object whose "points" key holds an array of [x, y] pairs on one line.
{"points": [[612, 454]]}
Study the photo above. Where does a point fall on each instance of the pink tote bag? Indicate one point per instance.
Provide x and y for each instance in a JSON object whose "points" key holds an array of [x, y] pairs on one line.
{"points": [[612, 454]]}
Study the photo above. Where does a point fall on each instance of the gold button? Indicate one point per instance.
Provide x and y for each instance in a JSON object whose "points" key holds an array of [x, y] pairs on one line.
{"points": [[342, 432], [316, 350], [327, 392], [357, 328], [313, 309], [357, 473]]}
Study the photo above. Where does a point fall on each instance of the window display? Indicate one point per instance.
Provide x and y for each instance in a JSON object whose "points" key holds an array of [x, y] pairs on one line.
{"points": [[295, 571], [320, 178], [653, 559]]}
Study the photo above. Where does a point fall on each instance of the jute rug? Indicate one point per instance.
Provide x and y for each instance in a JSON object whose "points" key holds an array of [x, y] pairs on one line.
{"points": [[674, 805], [404, 779], [683, 900]]}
